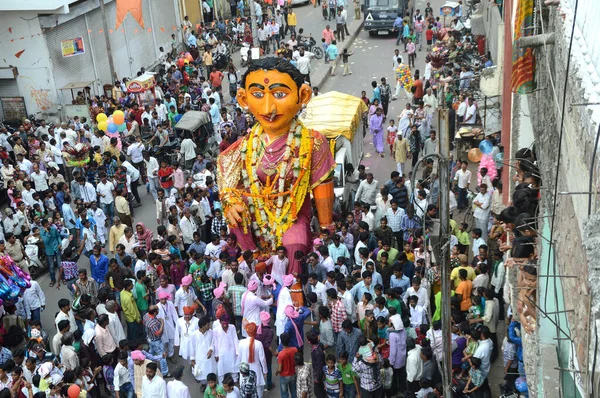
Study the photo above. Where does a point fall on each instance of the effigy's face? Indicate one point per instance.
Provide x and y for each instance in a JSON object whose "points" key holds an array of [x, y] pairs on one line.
{"points": [[273, 98]]}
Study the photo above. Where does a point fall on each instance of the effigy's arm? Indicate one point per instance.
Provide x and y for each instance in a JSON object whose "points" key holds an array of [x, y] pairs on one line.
{"points": [[324, 196]]}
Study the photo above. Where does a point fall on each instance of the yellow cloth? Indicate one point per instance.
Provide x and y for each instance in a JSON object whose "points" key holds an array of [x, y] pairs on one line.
{"points": [[130, 309], [122, 205], [292, 19], [400, 150], [114, 236]]}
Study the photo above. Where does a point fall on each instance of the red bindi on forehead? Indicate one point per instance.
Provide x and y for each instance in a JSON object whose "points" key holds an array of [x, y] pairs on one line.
{"points": [[266, 80]]}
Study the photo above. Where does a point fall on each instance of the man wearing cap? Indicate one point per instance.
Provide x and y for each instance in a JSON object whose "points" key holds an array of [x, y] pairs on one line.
{"points": [[260, 270], [247, 381], [226, 344], [253, 305], [186, 325], [283, 300], [252, 352], [185, 297], [167, 312]]}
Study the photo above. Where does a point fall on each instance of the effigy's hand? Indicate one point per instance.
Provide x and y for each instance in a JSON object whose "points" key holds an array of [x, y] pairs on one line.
{"points": [[234, 214]]}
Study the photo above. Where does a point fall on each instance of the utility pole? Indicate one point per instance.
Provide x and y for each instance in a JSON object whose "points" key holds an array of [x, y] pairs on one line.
{"points": [[111, 64], [254, 27], [444, 255]]}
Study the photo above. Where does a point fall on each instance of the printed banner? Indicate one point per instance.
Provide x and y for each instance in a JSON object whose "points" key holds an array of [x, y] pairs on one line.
{"points": [[72, 47], [523, 59]]}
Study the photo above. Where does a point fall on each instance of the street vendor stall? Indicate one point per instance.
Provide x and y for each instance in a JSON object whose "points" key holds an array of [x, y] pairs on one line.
{"points": [[339, 117], [143, 88]]}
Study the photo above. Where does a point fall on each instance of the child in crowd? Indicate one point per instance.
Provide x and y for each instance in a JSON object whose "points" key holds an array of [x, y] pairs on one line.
{"points": [[349, 378], [387, 374], [334, 386], [392, 132]]}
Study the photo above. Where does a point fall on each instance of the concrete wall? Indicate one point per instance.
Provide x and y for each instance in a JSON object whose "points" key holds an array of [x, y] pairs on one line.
{"points": [[35, 79], [575, 159]]}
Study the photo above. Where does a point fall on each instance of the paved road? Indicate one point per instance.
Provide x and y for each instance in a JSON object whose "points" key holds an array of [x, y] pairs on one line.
{"points": [[372, 60]]}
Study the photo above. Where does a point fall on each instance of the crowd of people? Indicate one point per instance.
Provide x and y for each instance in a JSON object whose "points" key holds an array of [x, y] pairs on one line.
{"points": [[359, 314]]}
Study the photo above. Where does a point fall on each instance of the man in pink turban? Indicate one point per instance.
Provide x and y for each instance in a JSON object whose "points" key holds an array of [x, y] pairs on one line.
{"points": [[294, 326], [283, 300], [186, 296], [252, 305]]}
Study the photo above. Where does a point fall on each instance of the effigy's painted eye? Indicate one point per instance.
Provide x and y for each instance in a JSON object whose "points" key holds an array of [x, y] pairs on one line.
{"points": [[280, 95], [258, 94]]}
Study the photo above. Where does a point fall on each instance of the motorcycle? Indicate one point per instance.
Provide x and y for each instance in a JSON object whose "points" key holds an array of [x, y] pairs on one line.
{"points": [[33, 249], [310, 44]]}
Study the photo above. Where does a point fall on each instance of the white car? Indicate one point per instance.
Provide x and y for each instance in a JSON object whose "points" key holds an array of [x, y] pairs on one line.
{"points": [[298, 2]]}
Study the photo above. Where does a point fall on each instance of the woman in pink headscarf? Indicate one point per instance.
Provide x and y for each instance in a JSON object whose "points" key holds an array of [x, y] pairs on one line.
{"points": [[144, 236]]}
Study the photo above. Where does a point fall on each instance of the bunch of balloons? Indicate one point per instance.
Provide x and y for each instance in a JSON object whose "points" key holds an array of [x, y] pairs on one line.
{"points": [[404, 76], [12, 279], [113, 123]]}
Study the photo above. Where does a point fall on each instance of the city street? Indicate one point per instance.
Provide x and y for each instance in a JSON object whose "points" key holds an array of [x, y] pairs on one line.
{"points": [[371, 61]]}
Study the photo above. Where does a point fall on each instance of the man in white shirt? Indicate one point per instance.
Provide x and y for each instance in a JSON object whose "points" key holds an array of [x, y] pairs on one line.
{"points": [[482, 210], [421, 293], [367, 190], [86, 190], [27, 194], [152, 171], [161, 110], [417, 313], [303, 63], [462, 179], [35, 299], [188, 227], [462, 109], [318, 288], [471, 114], [484, 349], [39, 178], [105, 190], [135, 152], [24, 164], [188, 150], [153, 386]]}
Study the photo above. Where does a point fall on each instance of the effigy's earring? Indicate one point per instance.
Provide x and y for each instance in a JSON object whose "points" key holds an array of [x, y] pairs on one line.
{"points": [[303, 106]]}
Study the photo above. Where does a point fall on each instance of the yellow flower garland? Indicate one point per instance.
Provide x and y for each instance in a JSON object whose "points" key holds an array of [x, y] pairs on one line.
{"points": [[269, 223]]}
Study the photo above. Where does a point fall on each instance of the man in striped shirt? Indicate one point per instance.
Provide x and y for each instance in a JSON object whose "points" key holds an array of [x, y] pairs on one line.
{"points": [[154, 328]]}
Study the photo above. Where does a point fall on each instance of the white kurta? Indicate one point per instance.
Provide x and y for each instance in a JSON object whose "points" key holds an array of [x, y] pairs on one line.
{"points": [[279, 269], [259, 366], [252, 306], [202, 343], [183, 334], [227, 350], [283, 300], [115, 327], [176, 389], [169, 314]]}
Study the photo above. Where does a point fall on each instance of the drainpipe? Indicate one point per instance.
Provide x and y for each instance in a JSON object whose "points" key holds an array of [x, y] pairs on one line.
{"points": [[507, 99]]}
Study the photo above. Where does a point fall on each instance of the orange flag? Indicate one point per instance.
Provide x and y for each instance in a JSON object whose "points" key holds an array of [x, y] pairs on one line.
{"points": [[18, 54], [134, 7]]}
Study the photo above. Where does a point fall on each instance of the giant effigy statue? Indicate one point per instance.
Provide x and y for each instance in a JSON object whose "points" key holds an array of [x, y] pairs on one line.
{"points": [[266, 178]]}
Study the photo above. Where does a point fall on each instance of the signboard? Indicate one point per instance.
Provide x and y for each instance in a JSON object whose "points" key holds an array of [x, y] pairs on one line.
{"points": [[447, 10], [72, 47], [140, 84], [13, 109], [70, 111]]}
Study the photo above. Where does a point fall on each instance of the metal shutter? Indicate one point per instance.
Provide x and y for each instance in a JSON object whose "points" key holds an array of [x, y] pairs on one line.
{"points": [[94, 23], [9, 88], [70, 69], [163, 14]]}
